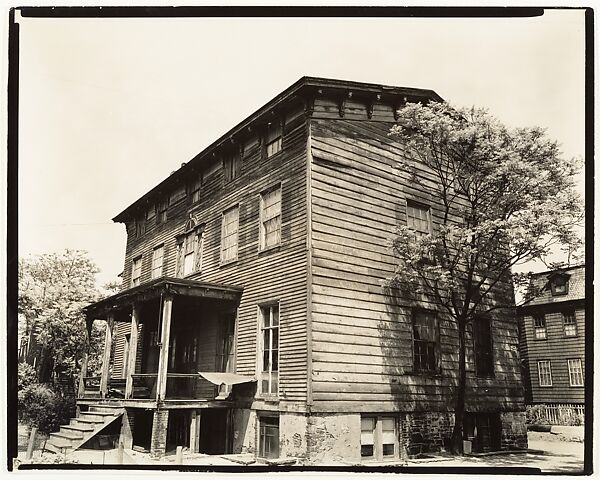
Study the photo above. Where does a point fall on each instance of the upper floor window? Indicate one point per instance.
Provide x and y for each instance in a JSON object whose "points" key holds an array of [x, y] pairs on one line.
{"points": [[569, 323], [539, 327], [482, 339], [418, 217], [229, 234], [195, 188], [136, 271], [189, 251], [151, 213], [139, 226], [157, 261], [425, 342], [575, 372], [161, 211], [231, 166], [559, 284], [273, 139], [544, 373], [269, 346], [270, 218], [177, 195]]}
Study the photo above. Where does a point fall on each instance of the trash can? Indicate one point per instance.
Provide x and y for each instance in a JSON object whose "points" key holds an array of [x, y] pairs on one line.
{"points": [[467, 446]]}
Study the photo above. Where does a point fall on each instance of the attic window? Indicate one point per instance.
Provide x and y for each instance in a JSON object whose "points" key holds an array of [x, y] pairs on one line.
{"points": [[559, 284], [273, 139]]}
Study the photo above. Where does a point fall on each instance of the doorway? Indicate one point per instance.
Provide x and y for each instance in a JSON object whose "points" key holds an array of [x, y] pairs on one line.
{"points": [[214, 431], [485, 430]]}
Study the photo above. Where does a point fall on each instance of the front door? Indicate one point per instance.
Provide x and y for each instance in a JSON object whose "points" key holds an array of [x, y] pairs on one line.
{"points": [[214, 428]]}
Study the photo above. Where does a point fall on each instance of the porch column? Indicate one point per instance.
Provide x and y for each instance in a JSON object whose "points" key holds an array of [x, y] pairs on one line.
{"points": [[84, 358], [163, 359], [106, 359], [131, 357], [194, 431]]}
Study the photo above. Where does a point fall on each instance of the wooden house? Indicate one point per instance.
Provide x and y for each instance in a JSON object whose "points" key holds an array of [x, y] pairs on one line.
{"points": [[255, 317], [552, 333]]}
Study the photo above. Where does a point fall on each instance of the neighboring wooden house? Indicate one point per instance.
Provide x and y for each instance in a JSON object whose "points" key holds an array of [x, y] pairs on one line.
{"points": [[552, 339], [262, 264]]}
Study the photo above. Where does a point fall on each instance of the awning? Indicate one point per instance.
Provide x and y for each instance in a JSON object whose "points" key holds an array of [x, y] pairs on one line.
{"points": [[220, 378]]}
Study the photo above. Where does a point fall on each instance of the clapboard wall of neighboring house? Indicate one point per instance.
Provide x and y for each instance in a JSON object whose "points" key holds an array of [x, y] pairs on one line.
{"points": [[558, 344], [362, 355]]}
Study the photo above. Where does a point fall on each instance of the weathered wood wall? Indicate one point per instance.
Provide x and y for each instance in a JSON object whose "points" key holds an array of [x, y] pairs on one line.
{"points": [[557, 349], [275, 275], [362, 335]]}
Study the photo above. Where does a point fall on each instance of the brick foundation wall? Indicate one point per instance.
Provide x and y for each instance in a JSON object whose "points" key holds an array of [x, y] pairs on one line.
{"points": [[514, 431], [158, 443]]}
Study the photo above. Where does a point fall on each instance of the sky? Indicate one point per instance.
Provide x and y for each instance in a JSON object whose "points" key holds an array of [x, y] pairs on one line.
{"points": [[109, 107]]}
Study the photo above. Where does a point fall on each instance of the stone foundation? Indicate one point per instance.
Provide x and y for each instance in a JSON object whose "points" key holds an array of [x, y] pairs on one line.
{"points": [[514, 431], [293, 430], [333, 438], [424, 432]]}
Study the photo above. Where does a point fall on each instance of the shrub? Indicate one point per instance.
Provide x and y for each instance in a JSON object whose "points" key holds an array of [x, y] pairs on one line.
{"points": [[25, 376], [535, 415], [569, 418], [41, 407]]}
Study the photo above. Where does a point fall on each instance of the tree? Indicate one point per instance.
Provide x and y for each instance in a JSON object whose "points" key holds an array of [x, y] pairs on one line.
{"points": [[53, 289], [504, 197]]}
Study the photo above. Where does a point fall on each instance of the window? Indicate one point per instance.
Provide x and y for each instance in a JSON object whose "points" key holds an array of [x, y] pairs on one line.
{"points": [[229, 235], [273, 139], [189, 252], [270, 348], [575, 372], [195, 190], [418, 217], [151, 213], [177, 195], [378, 438], [161, 211], [231, 166], [545, 373], [367, 437], [270, 218], [570, 324], [539, 327], [268, 437], [139, 226], [559, 284], [482, 339], [136, 271], [425, 342], [157, 261]]}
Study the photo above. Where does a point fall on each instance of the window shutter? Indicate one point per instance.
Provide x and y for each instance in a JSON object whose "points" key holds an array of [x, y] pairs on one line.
{"points": [[180, 255]]}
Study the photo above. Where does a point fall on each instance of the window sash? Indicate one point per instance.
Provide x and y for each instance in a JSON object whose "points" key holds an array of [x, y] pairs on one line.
{"points": [[539, 327], [136, 271], [195, 189], [425, 342], [575, 372], [418, 218], [229, 234], [269, 437], [545, 373], [270, 218], [570, 324], [378, 438], [270, 349], [482, 336], [157, 261]]}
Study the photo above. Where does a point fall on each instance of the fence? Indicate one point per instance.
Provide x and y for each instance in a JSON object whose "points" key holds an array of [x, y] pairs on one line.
{"points": [[560, 414]]}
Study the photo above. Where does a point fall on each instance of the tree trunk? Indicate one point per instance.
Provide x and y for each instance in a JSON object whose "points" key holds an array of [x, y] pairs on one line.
{"points": [[459, 408]]}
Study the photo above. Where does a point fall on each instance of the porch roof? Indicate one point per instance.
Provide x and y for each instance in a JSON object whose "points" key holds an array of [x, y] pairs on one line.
{"points": [[163, 285]]}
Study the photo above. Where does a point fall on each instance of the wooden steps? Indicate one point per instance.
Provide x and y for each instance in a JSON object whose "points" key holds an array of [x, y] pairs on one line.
{"points": [[82, 428]]}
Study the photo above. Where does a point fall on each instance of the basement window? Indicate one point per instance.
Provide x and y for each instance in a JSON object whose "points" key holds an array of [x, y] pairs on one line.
{"points": [[378, 439], [268, 437]]}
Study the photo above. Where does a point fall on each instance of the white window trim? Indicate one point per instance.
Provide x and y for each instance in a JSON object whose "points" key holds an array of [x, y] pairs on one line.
{"points": [[378, 439], [540, 372], [570, 373]]}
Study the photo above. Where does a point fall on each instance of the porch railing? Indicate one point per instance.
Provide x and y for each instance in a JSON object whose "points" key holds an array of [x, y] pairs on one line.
{"points": [[144, 385], [189, 386]]}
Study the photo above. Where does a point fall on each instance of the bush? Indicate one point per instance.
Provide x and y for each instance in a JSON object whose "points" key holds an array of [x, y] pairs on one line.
{"points": [[25, 376], [570, 418], [535, 415], [41, 407]]}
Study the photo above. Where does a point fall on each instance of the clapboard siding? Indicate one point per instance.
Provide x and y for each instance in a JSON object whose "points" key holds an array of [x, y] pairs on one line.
{"points": [[276, 275], [361, 337], [556, 348]]}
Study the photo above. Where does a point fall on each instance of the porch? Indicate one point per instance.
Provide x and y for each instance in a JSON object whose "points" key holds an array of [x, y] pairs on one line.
{"points": [[159, 336]]}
